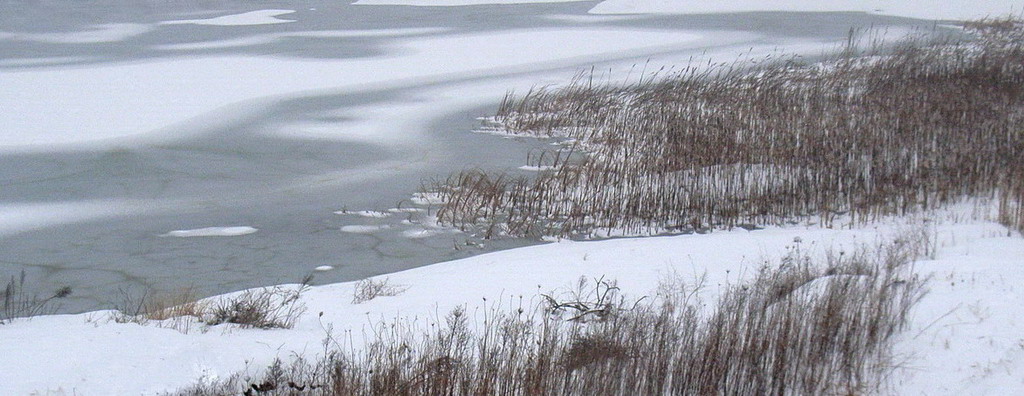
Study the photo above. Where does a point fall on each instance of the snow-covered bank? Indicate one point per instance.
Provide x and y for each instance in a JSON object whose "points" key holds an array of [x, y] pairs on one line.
{"points": [[964, 337]]}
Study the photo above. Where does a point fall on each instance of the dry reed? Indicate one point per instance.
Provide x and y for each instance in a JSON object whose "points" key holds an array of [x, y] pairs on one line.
{"points": [[926, 124]]}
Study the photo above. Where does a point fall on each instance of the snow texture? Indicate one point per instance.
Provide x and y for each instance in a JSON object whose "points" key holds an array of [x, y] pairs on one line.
{"points": [[965, 336]]}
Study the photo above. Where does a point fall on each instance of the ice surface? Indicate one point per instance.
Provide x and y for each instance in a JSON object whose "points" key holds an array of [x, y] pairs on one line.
{"points": [[27, 62], [105, 33], [452, 3], [922, 9], [261, 17], [102, 102], [212, 231], [19, 217], [263, 39], [364, 229], [365, 213]]}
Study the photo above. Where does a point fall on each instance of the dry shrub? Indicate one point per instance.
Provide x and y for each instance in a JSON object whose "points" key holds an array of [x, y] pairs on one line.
{"points": [[830, 332], [265, 308], [597, 300], [186, 305], [922, 125], [368, 289], [179, 311]]}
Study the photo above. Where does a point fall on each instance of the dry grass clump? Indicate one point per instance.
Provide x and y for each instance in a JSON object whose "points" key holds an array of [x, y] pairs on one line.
{"points": [[16, 302], [179, 311], [808, 325], [369, 288], [1011, 200], [855, 138], [264, 308]]}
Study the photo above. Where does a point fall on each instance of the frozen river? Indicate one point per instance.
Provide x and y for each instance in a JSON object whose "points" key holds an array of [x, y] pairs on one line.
{"points": [[126, 126]]}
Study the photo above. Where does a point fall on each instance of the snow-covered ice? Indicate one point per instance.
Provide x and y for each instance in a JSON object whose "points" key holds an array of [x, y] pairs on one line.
{"points": [[21, 217], [212, 231], [105, 33], [261, 17], [102, 102], [28, 62], [453, 3], [921, 9], [262, 39], [365, 213], [364, 229]]}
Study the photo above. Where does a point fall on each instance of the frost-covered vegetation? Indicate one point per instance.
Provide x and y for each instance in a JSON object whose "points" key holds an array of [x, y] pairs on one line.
{"points": [[925, 124], [804, 325], [276, 307]]}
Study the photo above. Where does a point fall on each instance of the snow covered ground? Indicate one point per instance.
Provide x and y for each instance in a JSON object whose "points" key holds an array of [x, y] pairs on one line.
{"points": [[966, 335]]}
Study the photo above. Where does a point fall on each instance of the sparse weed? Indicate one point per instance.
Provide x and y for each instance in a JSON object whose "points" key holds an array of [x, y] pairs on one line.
{"points": [[266, 308], [177, 311], [598, 301], [16, 302], [369, 288], [263, 308]]}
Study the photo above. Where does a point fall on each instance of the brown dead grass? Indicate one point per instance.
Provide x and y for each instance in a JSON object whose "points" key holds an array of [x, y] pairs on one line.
{"points": [[807, 325], [915, 128]]}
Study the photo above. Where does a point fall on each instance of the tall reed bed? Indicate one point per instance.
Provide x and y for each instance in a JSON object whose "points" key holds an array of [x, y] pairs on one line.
{"points": [[860, 137], [807, 325]]}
